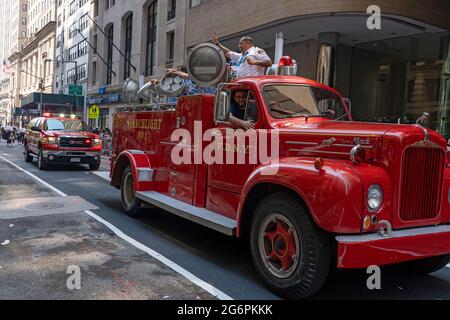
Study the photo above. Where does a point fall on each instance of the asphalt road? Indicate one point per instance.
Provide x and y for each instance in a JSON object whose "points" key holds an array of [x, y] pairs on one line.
{"points": [[221, 261]]}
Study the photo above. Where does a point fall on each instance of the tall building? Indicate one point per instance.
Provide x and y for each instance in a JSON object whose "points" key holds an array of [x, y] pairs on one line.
{"points": [[13, 28], [32, 67], [134, 39], [40, 13], [72, 46]]}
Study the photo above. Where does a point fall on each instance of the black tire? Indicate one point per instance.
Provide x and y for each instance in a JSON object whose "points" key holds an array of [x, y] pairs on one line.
{"points": [[427, 266], [130, 203], [309, 273], [27, 156], [42, 164], [94, 167]]}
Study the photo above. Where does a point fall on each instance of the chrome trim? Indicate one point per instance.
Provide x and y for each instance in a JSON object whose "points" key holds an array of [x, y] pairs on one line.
{"points": [[57, 153], [385, 229], [328, 142], [201, 216], [318, 151], [302, 143], [136, 151], [362, 238], [425, 131], [145, 174], [353, 153]]}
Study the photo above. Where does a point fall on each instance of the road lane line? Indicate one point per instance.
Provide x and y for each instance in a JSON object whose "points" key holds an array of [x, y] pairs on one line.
{"points": [[172, 265], [448, 266]]}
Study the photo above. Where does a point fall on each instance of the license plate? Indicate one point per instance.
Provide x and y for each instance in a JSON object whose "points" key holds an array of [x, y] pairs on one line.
{"points": [[75, 160]]}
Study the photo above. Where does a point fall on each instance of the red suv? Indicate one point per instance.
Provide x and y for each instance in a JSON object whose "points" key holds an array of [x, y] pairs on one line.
{"points": [[62, 141]]}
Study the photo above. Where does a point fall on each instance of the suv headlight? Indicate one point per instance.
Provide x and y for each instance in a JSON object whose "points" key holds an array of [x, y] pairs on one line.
{"points": [[49, 140], [375, 198], [97, 142]]}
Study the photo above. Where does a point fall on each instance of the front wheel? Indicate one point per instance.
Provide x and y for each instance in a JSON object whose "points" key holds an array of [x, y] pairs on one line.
{"points": [[42, 165], [94, 166], [427, 266], [27, 156], [290, 253], [130, 203]]}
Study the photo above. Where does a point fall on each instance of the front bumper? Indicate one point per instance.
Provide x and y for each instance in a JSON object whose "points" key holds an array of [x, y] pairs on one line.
{"points": [[74, 157], [362, 251]]}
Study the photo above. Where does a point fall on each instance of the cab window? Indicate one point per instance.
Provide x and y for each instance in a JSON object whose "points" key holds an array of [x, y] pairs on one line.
{"points": [[243, 105]]}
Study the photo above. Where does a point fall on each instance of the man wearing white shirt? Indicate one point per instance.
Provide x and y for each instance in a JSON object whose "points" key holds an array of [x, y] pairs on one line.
{"points": [[252, 61]]}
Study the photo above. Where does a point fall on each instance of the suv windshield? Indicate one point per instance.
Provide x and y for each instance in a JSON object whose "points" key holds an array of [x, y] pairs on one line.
{"points": [[65, 125], [290, 101]]}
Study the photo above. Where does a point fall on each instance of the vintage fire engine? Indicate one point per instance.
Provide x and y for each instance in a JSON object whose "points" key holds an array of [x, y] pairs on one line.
{"points": [[344, 194]]}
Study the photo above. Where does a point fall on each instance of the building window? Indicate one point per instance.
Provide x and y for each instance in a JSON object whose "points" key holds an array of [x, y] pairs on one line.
{"points": [[73, 30], [82, 72], [128, 45], [73, 53], [151, 38], [106, 4], [171, 10], [83, 2], [170, 47], [71, 76], [83, 22], [82, 48], [195, 3], [110, 33], [73, 7]]}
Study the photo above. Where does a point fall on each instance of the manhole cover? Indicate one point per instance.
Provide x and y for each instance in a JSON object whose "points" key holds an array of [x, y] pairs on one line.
{"points": [[44, 206]]}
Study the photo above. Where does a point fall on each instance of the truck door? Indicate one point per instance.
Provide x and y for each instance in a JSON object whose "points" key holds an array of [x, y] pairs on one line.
{"points": [[228, 176], [187, 181]]}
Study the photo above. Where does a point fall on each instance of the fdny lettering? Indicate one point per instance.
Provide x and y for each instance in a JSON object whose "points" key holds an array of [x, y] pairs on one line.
{"points": [[233, 148], [151, 124]]}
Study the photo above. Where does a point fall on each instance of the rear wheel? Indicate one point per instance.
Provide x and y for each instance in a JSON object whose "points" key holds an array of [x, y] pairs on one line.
{"points": [[427, 266], [130, 203], [290, 253], [42, 164]]}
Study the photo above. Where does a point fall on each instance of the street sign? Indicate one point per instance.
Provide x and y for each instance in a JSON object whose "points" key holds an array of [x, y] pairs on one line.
{"points": [[75, 90], [94, 112]]}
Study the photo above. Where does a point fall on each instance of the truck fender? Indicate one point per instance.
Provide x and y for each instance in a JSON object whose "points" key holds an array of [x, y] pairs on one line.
{"points": [[140, 165], [332, 195]]}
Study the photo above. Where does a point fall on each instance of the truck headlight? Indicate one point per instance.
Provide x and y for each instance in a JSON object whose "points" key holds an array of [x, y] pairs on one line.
{"points": [[49, 140], [375, 198], [97, 142]]}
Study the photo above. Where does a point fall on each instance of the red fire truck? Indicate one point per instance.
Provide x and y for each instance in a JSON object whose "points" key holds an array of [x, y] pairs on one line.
{"points": [[343, 194]]}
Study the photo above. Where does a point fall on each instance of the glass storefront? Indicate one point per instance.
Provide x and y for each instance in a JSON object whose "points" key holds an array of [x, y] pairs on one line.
{"points": [[398, 80]]}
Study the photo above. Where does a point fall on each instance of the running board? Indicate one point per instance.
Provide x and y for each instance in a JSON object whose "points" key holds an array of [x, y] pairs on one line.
{"points": [[201, 216]]}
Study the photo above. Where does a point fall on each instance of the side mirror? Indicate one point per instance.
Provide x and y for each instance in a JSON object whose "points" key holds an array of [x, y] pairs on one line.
{"points": [[35, 129], [223, 106]]}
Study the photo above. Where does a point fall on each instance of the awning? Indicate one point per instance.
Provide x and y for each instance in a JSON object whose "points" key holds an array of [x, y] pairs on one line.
{"points": [[32, 101]]}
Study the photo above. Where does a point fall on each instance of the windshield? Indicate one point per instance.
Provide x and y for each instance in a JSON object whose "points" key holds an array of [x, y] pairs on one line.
{"points": [[290, 101], [65, 125]]}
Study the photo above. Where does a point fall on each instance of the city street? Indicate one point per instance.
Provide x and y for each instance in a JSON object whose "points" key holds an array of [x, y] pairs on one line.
{"points": [[158, 256]]}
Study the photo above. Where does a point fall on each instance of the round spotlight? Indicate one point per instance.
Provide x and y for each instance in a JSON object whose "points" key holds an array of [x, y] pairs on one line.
{"points": [[172, 85], [206, 65]]}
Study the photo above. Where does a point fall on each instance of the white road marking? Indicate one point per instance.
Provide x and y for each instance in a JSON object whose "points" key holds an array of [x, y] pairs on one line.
{"points": [[448, 266], [172, 265], [103, 175]]}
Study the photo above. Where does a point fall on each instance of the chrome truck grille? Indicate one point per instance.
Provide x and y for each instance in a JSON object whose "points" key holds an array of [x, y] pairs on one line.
{"points": [[78, 142]]}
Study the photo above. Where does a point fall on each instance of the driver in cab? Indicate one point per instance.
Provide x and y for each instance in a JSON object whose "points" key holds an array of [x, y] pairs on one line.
{"points": [[238, 109]]}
